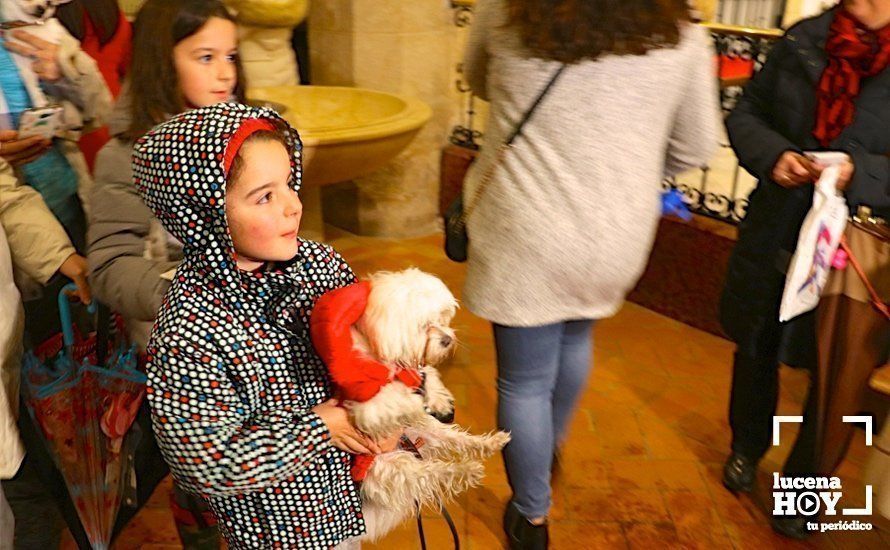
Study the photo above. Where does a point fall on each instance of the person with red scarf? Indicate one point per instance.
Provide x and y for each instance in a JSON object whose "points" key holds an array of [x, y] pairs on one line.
{"points": [[824, 87]]}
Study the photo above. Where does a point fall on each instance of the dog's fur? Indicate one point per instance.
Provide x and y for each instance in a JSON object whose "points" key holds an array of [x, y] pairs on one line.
{"points": [[407, 325], [31, 11]]}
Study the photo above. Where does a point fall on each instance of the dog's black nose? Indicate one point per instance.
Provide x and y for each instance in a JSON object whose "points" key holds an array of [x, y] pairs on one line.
{"points": [[39, 11], [446, 341], [445, 418]]}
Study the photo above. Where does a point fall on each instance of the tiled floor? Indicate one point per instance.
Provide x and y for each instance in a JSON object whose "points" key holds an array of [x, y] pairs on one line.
{"points": [[645, 451]]}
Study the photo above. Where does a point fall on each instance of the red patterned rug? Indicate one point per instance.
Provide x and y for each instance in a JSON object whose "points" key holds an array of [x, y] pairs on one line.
{"points": [[686, 270]]}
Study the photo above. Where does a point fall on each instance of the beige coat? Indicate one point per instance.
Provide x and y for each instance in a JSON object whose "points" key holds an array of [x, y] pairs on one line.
{"points": [[37, 243], [86, 102], [12, 324], [37, 246]]}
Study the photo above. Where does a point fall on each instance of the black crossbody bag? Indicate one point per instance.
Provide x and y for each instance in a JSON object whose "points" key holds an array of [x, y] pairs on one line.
{"points": [[456, 239]]}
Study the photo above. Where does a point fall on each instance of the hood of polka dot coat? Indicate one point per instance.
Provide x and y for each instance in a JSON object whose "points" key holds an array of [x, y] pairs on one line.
{"points": [[232, 373]]}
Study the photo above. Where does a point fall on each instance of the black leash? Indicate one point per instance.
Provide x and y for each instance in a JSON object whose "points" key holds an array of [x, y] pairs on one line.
{"points": [[408, 445]]}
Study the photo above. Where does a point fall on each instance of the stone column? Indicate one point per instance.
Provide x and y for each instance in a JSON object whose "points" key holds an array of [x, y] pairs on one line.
{"points": [[403, 47]]}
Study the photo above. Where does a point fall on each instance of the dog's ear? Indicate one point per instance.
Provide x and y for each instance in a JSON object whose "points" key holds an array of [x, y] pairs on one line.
{"points": [[389, 324]]}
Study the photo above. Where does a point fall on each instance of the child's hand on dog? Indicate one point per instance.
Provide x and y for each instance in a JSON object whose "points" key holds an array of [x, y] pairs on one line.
{"points": [[343, 434], [389, 443]]}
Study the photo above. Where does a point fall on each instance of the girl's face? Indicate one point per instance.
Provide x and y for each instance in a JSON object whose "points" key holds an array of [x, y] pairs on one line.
{"points": [[205, 63], [262, 210]]}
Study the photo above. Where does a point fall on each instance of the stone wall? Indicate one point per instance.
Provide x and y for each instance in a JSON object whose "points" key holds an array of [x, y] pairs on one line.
{"points": [[408, 48]]}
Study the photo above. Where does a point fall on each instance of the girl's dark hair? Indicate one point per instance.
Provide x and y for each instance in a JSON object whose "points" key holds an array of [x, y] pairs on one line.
{"points": [[281, 134], [152, 82], [104, 14], [575, 30]]}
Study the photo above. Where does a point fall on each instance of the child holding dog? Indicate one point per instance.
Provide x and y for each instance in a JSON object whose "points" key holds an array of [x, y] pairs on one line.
{"points": [[241, 403]]}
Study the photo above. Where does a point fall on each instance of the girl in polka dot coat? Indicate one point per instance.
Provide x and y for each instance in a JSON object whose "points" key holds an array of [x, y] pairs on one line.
{"points": [[236, 390]]}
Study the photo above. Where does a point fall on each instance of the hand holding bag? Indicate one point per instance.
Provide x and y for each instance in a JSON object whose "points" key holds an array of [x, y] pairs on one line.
{"points": [[457, 240], [817, 242]]}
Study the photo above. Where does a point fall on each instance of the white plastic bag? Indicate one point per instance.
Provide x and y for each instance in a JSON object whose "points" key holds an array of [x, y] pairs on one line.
{"points": [[817, 242]]}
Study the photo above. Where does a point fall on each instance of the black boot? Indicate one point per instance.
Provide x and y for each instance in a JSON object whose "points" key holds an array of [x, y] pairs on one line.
{"points": [[739, 473], [521, 534], [794, 527]]}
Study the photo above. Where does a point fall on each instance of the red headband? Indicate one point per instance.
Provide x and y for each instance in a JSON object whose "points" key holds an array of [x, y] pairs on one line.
{"points": [[248, 127]]}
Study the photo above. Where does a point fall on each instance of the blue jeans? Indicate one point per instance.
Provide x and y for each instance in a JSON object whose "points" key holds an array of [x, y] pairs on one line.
{"points": [[541, 373]]}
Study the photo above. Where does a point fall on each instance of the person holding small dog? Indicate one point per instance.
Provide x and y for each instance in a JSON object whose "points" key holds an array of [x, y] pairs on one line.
{"points": [[241, 402], [562, 229]]}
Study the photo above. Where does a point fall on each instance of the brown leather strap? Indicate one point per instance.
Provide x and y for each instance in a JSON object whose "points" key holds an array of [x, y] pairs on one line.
{"points": [[876, 300]]}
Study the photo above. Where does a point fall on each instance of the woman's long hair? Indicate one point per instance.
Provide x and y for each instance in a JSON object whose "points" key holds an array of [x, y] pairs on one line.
{"points": [[152, 84], [104, 14], [575, 30]]}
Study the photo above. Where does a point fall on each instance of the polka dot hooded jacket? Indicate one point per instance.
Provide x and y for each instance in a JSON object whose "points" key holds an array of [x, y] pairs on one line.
{"points": [[232, 373]]}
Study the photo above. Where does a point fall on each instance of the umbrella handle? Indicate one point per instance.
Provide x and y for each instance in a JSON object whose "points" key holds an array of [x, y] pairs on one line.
{"points": [[65, 313]]}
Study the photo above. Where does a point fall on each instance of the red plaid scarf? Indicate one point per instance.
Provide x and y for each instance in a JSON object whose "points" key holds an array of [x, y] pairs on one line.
{"points": [[854, 53]]}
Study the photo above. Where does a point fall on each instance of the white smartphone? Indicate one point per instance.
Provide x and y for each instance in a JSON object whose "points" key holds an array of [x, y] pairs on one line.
{"points": [[42, 121]]}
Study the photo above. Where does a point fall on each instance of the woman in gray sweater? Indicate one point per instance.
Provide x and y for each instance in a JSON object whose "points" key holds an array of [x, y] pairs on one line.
{"points": [[564, 227]]}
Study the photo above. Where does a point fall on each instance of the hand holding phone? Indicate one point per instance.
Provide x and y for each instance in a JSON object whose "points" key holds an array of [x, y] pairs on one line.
{"points": [[42, 122]]}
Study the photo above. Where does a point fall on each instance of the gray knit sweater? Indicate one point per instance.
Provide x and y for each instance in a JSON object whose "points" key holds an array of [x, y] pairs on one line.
{"points": [[564, 228]]}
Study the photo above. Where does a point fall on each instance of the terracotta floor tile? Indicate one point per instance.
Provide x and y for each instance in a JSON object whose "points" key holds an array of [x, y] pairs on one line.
{"points": [[584, 470], [644, 536], [760, 535], [619, 433], [694, 516], [656, 474], [588, 535], [732, 509], [484, 516], [583, 504]]}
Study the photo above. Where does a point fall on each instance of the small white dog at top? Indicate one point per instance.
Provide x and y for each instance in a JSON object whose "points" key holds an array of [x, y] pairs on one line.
{"points": [[40, 21], [406, 325]]}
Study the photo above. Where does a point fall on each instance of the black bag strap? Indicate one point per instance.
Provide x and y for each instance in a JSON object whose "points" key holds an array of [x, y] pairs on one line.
{"points": [[468, 206], [528, 114]]}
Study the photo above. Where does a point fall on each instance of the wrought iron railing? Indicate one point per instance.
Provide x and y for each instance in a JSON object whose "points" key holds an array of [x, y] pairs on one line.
{"points": [[723, 193], [741, 52], [752, 13]]}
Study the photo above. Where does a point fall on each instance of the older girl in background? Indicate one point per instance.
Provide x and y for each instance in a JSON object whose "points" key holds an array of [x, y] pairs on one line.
{"points": [[185, 55]]}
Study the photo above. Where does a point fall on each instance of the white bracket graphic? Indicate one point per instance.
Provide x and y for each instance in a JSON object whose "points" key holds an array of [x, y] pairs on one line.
{"points": [[861, 511], [852, 419], [778, 421], [867, 420]]}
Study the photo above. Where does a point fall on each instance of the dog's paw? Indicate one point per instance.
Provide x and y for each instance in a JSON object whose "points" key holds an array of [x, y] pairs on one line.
{"points": [[394, 407], [439, 401], [495, 441]]}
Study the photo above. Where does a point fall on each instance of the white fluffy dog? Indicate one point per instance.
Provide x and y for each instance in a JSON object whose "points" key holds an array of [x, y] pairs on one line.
{"points": [[39, 16], [405, 326]]}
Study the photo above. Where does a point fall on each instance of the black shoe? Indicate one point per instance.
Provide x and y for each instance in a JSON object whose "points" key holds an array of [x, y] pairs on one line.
{"points": [[739, 473], [522, 535], [794, 527]]}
